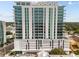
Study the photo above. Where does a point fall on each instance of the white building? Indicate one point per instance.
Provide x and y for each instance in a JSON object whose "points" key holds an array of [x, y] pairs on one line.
{"points": [[39, 25]]}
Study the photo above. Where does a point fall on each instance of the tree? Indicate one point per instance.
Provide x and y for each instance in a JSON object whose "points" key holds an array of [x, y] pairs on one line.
{"points": [[77, 31], [1, 45], [76, 52], [8, 33], [57, 51], [12, 53]]}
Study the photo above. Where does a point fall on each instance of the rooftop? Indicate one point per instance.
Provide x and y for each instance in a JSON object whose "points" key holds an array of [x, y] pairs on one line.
{"points": [[48, 3], [76, 38]]}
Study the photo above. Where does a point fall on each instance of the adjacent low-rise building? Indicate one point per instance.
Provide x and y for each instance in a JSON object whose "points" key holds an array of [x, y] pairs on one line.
{"points": [[74, 43]]}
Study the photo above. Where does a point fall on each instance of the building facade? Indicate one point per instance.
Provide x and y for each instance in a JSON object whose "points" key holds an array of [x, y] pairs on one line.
{"points": [[39, 26], [2, 33]]}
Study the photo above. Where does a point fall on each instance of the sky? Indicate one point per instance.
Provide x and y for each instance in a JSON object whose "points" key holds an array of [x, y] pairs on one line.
{"points": [[71, 11]]}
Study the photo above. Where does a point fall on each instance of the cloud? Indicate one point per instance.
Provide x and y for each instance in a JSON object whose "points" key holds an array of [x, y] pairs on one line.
{"points": [[69, 2], [6, 17]]}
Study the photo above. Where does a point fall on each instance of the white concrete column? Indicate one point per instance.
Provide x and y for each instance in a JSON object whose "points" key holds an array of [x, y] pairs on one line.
{"points": [[53, 24], [47, 21], [56, 22], [30, 22], [23, 22], [43, 21], [4, 30]]}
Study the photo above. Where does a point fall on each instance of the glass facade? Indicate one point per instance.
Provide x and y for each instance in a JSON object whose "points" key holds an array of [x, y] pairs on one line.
{"points": [[18, 21], [60, 22], [50, 22], [22, 3], [54, 21], [38, 44], [26, 23], [38, 23], [1, 33]]}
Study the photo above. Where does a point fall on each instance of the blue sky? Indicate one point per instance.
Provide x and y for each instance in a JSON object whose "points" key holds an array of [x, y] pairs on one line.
{"points": [[6, 11], [72, 11]]}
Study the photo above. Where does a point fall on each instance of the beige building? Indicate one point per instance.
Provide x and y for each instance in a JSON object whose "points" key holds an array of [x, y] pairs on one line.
{"points": [[74, 43]]}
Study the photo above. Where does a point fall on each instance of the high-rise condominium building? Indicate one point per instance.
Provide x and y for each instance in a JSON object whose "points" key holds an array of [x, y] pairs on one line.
{"points": [[2, 33], [39, 26]]}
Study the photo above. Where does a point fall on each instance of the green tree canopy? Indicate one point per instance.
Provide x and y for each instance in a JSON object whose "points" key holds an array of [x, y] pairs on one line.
{"points": [[76, 52], [57, 51], [8, 33]]}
